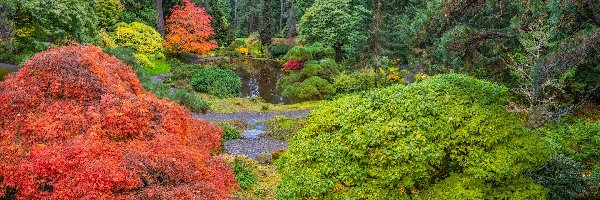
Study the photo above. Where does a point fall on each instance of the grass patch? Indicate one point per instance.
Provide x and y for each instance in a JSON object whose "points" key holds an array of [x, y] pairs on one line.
{"points": [[266, 178], [240, 105], [160, 67], [283, 128]]}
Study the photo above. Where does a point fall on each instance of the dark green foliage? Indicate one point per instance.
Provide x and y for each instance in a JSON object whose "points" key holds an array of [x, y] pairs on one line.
{"points": [[282, 128], [311, 82], [315, 51], [446, 137], [243, 173], [217, 81], [278, 50], [124, 54], [231, 132], [43, 23], [562, 176], [182, 71], [190, 101], [139, 11], [312, 88], [580, 141], [183, 97]]}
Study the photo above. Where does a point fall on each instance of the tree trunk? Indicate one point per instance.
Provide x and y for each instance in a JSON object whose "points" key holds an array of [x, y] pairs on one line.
{"points": [[293, 21], [160, 18], [234, 24], [339, 52], [281, 16]]}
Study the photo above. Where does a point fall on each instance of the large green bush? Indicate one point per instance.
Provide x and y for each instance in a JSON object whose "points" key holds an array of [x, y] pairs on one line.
{"points": [[447, 137], [313, 88], [276, 50], [315, 51], [217, 81]]}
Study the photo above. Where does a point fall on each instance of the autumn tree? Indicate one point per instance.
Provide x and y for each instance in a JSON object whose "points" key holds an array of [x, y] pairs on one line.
{"points": [[189, 29], [77, 124]]}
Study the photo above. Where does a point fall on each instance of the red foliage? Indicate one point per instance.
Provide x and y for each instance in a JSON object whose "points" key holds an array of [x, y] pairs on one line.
{"points": [[293, 65], [189, 29], [76, 123]]}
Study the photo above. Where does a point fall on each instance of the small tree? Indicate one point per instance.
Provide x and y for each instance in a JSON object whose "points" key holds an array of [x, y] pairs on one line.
{"points": [[331, 22], [189, 29]]}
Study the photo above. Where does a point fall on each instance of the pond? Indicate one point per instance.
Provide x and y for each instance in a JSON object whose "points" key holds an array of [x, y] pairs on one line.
{"points": [[259, 79]]}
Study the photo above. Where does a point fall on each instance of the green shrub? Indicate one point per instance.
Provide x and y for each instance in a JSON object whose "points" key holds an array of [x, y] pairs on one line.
{"points": [[562, 176], [312, 88], [127, 55], [109, 12], [355, 82], [254, 44], [143, 60], [580, 141], [237, 43], [447, 137], [217, 81], [319, 51], [282, 128], [190, 101], [298, 53], [182, 71], [312, 68], [278, 50], [231, 132], [244, 175]]}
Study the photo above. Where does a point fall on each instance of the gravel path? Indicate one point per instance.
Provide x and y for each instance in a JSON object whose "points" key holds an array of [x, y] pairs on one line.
{"points": [[254, 148], [9, 67], [254, 116], [160, 77]]}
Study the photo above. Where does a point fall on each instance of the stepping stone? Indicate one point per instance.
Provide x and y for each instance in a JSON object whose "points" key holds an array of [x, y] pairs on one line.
{"points": [[252, 134]]}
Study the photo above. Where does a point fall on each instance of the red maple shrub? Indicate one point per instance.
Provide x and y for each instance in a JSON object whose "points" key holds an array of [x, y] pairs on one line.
{"points": [[293, 65], [189, 29], [76, 123]]}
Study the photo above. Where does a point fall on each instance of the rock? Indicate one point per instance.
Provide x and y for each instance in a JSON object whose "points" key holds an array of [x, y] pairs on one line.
{"points": [[252, 134]]}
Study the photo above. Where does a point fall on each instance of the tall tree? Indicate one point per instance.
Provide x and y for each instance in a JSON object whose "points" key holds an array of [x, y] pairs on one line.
{"points": [[160, 18], [331, 22]]}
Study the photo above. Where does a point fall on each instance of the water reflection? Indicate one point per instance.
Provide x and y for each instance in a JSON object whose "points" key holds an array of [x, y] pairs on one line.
{"points": [[259, 79]]}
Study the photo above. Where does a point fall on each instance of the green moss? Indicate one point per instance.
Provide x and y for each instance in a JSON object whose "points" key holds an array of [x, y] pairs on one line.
{"points": [[158, 67]]}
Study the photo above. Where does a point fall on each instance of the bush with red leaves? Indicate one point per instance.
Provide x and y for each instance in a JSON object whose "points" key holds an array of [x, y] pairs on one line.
{"points": [[76, 123], [293, 65]]}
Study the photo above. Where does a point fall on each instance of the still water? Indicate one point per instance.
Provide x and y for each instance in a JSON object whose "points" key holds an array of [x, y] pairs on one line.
{"points": [[259, 79]]}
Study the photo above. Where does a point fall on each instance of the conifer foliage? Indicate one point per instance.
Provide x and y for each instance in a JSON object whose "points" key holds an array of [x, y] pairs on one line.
{"points": [[76, 123], [189, 29]]}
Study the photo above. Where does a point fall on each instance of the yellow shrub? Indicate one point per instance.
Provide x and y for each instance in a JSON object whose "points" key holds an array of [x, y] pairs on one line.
{"points": [[140, 37], [242, 50], [143, 60]]}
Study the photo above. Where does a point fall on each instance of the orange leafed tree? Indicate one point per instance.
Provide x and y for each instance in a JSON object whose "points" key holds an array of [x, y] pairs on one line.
{"points": [[189, 29], [75, 123]]}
